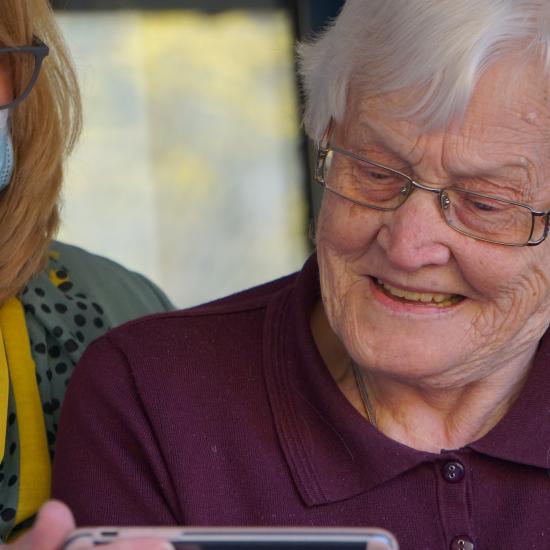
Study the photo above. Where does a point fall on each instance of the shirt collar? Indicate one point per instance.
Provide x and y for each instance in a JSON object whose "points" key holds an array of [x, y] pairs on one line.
{"points": [[523, 434], [332, 452]]}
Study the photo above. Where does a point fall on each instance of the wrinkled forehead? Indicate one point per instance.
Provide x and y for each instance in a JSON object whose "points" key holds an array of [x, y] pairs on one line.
{"points": [[511, 97]]}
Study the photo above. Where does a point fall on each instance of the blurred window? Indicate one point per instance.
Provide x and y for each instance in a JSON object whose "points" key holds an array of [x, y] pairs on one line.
{"points": [[189, 168]]}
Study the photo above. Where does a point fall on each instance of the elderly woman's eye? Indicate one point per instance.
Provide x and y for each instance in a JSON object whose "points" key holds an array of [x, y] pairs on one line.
{"points": [[375, 175], [378, 175], [483, 206]]}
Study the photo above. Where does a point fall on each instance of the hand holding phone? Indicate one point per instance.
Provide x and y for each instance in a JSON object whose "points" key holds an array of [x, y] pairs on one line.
{"points": [[52, 526], [55, 523]]}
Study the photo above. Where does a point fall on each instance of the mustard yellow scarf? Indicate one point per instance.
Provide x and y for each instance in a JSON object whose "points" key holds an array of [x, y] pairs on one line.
{"points": [[17, 367]]}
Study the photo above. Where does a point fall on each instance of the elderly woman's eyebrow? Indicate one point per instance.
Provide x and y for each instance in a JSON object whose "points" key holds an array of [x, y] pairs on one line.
{"points": [[366, 139], [515, 168], [369, 133], [516, 171], [505, 188]]}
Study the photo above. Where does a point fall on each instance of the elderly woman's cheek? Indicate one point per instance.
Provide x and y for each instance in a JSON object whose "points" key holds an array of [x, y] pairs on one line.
{"points": [[345, 227], [515, 309]]}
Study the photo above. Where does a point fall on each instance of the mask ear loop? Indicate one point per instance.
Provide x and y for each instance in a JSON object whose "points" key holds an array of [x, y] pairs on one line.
{"points": [[4, 118], [7, 159]]}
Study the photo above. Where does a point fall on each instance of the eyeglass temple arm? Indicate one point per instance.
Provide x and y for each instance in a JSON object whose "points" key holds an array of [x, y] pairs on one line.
{"points": [[545, 230], [322, 153]]}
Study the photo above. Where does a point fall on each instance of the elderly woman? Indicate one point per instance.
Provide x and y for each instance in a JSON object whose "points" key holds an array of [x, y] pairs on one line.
{"points": [[54, 298], [401, 378]]}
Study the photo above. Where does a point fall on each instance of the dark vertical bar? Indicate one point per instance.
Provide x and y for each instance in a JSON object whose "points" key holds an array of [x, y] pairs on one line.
{"points": [[295, 9], [309, 17]]}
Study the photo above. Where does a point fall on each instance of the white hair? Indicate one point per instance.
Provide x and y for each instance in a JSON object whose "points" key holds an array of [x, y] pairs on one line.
{"points": [[440, 47]]}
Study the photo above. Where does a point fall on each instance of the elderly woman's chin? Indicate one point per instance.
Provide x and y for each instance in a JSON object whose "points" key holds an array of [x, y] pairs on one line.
{"points": [[408, 348]]}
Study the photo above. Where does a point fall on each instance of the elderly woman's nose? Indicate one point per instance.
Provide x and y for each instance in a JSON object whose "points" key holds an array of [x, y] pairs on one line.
{"points": [[413, 235]]}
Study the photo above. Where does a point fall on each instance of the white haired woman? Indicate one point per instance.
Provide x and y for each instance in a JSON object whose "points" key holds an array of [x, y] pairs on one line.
{"points": [[401, 379]]}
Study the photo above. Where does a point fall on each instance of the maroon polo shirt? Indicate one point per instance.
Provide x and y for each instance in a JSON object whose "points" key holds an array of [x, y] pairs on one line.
{"points": [[226, 415]]}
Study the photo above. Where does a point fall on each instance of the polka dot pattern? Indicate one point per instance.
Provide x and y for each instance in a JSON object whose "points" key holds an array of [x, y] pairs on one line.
{"points": [[9, 487], [62, 320], [64, 311], [7, 514], [71, 319]]}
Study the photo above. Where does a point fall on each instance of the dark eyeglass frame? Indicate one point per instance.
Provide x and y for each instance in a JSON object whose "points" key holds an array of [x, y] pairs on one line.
{"points": [[444, 201], [39, 50]]}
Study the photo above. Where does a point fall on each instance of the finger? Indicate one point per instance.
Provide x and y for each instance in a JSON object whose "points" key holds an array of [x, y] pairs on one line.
{"points": [[51, 527]]}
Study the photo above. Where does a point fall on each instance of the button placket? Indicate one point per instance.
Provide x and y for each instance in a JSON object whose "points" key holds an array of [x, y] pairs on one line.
{"points": [[453, 491]]}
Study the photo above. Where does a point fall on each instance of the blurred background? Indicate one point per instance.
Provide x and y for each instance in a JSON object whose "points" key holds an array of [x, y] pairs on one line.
{"points": [[193, 168]]}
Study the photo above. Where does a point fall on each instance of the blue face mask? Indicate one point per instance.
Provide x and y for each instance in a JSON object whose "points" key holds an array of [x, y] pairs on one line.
{"points": [[6, 149]]}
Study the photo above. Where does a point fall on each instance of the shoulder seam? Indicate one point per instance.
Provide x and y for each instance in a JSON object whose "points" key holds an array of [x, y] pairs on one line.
{"points": [[189, 313]]}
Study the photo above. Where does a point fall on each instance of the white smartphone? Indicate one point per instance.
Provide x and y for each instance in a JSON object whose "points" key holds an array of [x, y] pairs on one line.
{"points": [[242, 538]]}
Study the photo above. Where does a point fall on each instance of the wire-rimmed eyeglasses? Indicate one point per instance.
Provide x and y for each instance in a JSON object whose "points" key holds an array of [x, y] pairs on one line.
{"points": [[477, 215], [19, 68]]}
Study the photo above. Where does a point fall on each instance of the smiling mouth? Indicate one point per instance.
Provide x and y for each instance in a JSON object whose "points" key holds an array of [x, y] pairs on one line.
{"points": [[419, 298]]}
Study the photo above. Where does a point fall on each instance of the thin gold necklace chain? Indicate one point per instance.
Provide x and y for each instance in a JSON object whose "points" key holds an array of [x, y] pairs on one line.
{"points": [[363, 393]]}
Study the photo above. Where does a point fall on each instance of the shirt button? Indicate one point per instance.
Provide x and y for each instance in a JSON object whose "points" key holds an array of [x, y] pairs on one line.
{"points": [[462, 542], [453, 471]]}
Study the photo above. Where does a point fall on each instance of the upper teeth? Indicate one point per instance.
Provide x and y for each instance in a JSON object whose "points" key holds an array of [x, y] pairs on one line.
{"points": [[415, 296]]}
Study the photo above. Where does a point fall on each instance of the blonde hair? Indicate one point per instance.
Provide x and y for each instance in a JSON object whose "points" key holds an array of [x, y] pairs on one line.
{"points": [[437, 49], [44, 127]]}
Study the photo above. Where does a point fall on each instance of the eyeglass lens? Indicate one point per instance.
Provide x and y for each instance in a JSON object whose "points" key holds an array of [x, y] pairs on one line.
{"points": [[474, 215]]}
